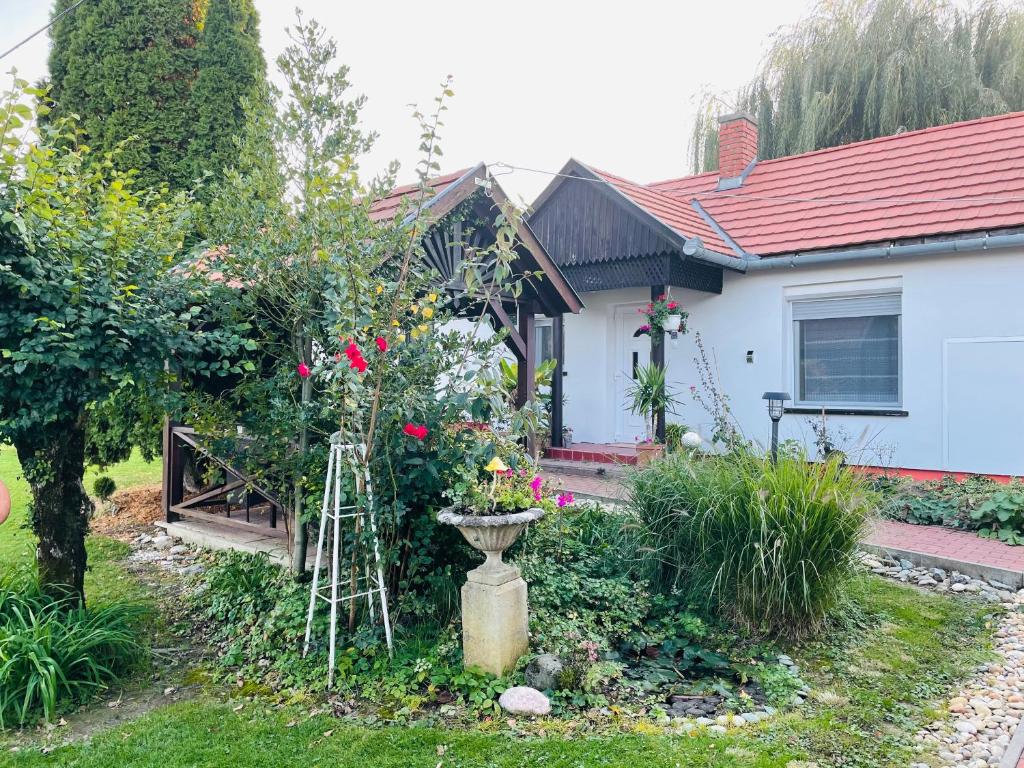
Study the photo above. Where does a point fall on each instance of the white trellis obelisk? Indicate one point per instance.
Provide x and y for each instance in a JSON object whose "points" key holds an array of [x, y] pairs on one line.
{"points": [[332, 532]]}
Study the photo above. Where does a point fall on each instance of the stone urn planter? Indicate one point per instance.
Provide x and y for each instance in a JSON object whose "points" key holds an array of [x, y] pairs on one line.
{"points": [[495, 631]]}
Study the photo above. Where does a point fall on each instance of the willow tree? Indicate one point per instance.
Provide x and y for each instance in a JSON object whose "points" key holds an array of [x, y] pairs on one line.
{"points": [[859, 69]]}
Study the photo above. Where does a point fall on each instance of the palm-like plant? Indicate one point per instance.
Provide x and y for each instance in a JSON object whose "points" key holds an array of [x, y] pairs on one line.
{"points": [[649, 395]]}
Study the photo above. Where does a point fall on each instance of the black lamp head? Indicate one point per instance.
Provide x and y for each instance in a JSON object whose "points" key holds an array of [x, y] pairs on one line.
{"points": [[775, 401]]}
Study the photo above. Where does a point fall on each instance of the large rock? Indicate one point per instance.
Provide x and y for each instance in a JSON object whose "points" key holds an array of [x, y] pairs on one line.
{"points": [[542, 672], [523, 700]]}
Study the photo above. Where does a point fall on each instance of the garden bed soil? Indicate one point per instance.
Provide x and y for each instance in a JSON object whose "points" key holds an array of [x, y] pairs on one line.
{"points": [[130, 512]]}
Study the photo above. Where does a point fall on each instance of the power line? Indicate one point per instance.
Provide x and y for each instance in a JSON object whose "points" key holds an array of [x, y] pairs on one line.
{"points": [[53, 21], [781, 199]]}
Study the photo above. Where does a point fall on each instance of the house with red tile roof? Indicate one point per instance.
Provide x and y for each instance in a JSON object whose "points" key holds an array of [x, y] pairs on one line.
{"points": [[880, 284]]}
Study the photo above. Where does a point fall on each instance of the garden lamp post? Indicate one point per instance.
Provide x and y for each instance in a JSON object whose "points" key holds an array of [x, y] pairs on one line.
{"points": [[775, 401]]}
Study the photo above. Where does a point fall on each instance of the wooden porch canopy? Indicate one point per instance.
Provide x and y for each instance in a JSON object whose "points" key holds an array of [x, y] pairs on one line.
{"points": [[546, 292], [606, 233]]}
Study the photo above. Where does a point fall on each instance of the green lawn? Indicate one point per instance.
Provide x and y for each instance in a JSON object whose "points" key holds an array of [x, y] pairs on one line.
{"points": [[105, 579], [875, 683], [874, 688]]}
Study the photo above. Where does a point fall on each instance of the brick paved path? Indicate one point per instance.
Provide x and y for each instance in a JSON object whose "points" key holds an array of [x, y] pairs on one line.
{"points": [[944, 542]]}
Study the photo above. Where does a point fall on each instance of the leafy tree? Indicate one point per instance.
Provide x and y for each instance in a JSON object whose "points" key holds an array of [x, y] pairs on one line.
{"points": [[92, 307], [859, 69], [348, 328], [168, 75]]}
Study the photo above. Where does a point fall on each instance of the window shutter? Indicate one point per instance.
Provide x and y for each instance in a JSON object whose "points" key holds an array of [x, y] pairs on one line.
{"points": [[853, 306]]}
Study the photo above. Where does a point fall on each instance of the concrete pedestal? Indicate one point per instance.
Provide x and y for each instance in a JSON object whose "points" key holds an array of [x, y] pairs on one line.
{"points": [[495, 623]]}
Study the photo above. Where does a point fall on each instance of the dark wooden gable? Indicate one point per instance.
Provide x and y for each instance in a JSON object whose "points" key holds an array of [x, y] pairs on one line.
{"points": [[584, 222], [602, 241]]}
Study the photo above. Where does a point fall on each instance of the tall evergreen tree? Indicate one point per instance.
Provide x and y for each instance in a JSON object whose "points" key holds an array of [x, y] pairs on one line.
{"points": [[859, 69], [231, 70], [127, 69], [168, 76]]}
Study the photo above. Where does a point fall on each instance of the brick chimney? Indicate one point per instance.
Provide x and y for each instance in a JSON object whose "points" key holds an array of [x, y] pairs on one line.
{"points": [[737, 144]]}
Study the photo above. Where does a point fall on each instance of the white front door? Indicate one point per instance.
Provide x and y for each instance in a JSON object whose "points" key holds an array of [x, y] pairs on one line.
{"points": [[630, 353]]}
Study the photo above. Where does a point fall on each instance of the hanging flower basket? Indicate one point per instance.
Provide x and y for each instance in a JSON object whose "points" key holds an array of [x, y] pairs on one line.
{"points": [[663, 314]]}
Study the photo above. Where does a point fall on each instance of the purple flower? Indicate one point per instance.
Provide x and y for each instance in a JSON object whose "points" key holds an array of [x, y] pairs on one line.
{"points": [[564, 499]]}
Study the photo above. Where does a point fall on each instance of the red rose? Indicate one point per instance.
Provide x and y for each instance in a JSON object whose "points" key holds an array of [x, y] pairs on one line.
{"points": [[303, 370], [417, 431], [382, 344]]}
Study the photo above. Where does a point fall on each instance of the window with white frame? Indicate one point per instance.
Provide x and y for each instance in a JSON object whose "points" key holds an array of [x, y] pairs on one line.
{"points": [[847, 351]]}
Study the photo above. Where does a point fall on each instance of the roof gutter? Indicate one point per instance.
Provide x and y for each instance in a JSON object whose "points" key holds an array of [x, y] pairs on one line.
{"points": [[987, 242]]}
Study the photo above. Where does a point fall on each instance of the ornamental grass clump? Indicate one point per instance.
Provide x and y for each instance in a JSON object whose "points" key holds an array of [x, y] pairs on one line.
{"points": [[769, 546], [55, 653]]}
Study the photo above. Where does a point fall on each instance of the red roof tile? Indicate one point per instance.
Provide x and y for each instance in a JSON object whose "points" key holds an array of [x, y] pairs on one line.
{"points": [[961, 177], [386, 207]]}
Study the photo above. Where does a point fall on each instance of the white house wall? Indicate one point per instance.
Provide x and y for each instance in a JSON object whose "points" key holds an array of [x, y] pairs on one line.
{"points": [[962, 322]]}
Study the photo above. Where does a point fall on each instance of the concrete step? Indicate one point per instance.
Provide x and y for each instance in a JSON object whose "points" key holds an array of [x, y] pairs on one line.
{"points": [[584, 468]]}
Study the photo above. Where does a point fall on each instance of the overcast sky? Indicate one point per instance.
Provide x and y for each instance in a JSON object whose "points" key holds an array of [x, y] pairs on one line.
{"points": [[613, 84]]}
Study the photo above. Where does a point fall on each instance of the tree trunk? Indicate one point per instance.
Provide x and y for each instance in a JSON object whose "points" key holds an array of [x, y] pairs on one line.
{"points": [[299, 537], [53, 460]]}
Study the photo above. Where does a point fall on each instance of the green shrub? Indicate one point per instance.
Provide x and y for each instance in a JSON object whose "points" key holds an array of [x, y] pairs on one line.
{"points": [[54, 654], [579, 563], [103, 487], [769, 545], [255, 614], [947, 501], [1001, 516]]}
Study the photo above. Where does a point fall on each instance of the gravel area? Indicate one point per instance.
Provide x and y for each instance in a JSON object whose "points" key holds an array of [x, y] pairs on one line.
{"points": [[985, 713]]}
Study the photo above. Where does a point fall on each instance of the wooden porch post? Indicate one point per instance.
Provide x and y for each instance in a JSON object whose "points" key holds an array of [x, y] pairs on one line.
{"points": [[658, 359], [558, 350], [173, 471], [527, 368]]}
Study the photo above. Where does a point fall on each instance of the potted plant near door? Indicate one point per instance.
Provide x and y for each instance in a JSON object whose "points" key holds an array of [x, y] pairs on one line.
{"points": [[648, 396]]}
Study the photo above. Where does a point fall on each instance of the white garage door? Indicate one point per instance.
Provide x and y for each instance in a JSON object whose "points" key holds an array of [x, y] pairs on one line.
{"points": [[983, 404]]}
